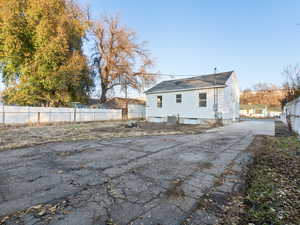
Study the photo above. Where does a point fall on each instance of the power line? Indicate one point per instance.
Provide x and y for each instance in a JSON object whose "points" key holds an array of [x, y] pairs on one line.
{"points": [[170, 75]]}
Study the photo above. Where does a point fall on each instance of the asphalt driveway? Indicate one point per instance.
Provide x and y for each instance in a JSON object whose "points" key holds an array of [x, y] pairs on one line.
{"points": [[140, 180]]}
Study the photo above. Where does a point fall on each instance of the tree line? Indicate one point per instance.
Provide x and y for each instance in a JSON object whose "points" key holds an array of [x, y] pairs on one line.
{"points": [[263, 93], [292, 83], [272, 95], [42, 61]]}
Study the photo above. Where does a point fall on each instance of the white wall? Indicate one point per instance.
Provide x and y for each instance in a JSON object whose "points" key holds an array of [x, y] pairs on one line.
{"points": [[274, 113], [19, 114], [136, 111], [293, 109], [189, 108], [231, 104]]}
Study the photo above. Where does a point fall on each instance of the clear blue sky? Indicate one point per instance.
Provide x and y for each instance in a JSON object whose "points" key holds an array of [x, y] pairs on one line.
{"points": [[256, 38]]}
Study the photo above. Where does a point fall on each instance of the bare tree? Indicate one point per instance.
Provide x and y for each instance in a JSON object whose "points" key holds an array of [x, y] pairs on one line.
{"points": [[266, 87], [292, 84], [119, 59], [292, 89]]}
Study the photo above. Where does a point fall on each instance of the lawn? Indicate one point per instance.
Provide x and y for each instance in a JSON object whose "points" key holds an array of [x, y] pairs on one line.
{"points": [[273, 183]]}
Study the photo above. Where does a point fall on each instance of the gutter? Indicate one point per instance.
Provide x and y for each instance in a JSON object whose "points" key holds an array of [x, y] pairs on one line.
{"points": [[189, 89]]}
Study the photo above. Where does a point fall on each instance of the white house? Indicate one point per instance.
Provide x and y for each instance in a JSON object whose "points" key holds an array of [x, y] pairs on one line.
{"points": [[201, 99], [259, 110]]}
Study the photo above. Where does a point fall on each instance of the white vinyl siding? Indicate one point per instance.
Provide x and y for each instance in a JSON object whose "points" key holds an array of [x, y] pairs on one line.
{"points": [[195, 104]]}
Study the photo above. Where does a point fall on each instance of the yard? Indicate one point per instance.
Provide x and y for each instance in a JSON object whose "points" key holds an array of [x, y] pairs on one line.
{"points": [[155, 179], [16, 137]]}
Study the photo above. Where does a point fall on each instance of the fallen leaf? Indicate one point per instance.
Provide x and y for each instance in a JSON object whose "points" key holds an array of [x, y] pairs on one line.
{"points": [[42, 212], [37, 207]]}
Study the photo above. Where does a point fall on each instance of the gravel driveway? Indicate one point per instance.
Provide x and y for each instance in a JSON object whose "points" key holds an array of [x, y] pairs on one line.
{"points": [[140, 180]]}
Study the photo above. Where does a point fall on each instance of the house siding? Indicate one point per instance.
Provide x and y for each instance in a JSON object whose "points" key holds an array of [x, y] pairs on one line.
{"points": [[188, 110], [231, 100]]}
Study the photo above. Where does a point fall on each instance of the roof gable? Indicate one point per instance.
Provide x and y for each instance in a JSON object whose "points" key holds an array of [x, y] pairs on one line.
{"points": [[198, 82]]}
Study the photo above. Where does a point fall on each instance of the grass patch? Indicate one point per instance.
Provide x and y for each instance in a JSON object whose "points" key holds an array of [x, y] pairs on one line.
{"points": [[273, 183]]}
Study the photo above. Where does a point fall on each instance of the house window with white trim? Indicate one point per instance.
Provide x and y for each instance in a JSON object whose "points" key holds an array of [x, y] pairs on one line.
{"points": [[159, 101], [178, 98], [202, 100]]}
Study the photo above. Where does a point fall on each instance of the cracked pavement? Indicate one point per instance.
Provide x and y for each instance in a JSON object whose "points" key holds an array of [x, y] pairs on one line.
{"points": [[137, 180]]}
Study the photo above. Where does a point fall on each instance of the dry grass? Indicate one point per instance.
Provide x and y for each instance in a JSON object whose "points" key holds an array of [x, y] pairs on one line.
{"points": [[272, 183], [273, 191], [16, 137]]}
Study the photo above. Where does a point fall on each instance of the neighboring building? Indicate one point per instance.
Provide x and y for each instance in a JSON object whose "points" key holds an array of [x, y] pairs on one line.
{"points": [[275, 111], [135, 107], [255, 110], [195, 100], [116, 103], [259, 110]]}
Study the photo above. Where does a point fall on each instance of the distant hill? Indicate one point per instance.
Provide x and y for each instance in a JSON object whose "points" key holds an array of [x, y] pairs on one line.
{"points": [[269, 98]]}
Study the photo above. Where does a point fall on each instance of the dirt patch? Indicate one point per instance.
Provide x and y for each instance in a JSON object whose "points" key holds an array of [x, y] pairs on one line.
{"points": [[175, 190], [281, 130], [16, 137], [205, 165]]}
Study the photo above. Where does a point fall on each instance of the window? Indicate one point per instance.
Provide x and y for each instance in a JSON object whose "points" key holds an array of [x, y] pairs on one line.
{"points": [[178, 98], [202, 100], [159, 101]]}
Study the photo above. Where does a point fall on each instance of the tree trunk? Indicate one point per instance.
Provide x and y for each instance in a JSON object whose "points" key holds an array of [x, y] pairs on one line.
{"points": [[104, 90]]}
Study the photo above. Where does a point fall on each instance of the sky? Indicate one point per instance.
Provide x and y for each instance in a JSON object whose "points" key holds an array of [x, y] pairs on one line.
{"points": [[257, 39]]}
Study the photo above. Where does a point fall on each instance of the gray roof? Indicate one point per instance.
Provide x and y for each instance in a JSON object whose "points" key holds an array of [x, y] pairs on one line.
{"points": [[198, 82]]}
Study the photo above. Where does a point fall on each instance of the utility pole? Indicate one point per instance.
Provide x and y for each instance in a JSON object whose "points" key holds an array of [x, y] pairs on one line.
{"points": [[126, 99], [216, 96]]}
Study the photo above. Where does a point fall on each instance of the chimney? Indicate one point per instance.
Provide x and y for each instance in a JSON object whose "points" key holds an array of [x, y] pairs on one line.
{"points": [[215, 72]]}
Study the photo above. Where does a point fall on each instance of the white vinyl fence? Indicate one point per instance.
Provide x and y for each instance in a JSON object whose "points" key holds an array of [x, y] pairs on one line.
{"points": [[23, 114], [291, 112], [136, 111]]}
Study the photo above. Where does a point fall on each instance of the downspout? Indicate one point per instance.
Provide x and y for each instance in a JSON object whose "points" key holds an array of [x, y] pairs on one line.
{"points": [[216, 96]]}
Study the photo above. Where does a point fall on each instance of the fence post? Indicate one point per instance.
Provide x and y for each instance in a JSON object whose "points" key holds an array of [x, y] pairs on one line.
{"points": [[28, 115], [75, 114], [39, 117], [3, 114]]}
